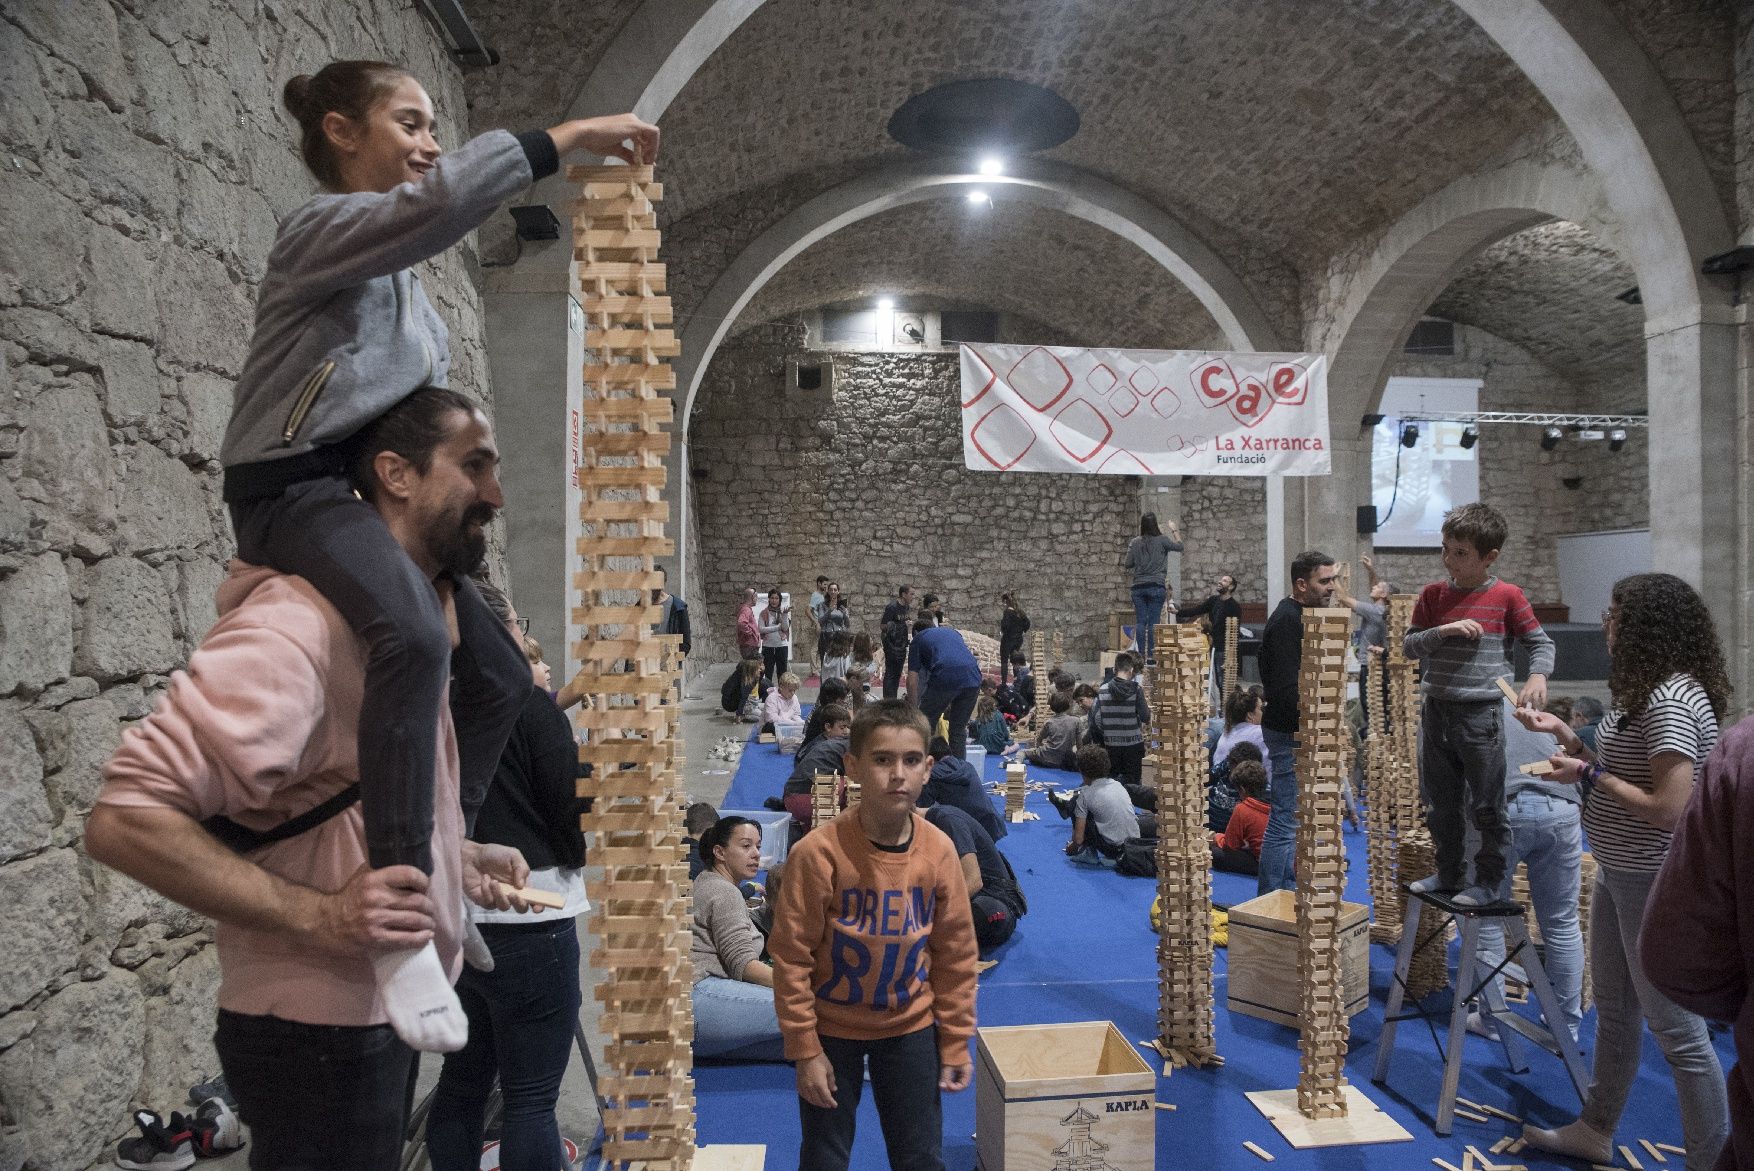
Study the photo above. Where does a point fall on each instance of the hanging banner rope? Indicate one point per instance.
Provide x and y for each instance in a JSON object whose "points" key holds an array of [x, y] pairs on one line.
{"points": [[1143, 412]]}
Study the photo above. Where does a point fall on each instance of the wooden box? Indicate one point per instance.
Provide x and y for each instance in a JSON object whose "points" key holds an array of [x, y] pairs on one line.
{"points": [[1263, 958], [1057, 1096]]}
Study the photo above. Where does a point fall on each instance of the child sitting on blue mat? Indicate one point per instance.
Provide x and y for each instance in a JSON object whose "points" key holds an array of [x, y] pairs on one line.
{"points": [[1103, 817]]}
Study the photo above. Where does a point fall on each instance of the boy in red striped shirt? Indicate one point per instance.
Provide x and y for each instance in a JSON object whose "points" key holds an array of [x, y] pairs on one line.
{"points": [[1463, 629]]}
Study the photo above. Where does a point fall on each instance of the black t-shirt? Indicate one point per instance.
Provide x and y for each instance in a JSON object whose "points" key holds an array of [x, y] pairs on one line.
{"points": [[968, 837], [533, 802], [1216, 610], [1281, 658]]}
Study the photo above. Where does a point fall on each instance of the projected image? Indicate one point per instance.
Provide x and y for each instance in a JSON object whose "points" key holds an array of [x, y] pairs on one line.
{"points": [[1413, 486]]}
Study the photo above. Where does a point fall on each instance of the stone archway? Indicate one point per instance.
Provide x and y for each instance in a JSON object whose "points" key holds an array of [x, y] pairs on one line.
{"points": [[1184, 256]]}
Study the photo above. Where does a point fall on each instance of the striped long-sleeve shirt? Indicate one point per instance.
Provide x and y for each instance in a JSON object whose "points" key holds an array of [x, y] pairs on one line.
{"points": [[1465, 669]]}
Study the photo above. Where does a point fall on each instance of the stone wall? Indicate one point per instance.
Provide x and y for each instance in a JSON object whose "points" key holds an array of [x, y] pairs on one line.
{"points": [[146, 159], [867, 486]]}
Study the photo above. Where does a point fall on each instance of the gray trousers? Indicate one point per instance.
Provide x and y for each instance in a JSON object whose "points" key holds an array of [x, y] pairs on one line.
{"points": [[1461, 766]]}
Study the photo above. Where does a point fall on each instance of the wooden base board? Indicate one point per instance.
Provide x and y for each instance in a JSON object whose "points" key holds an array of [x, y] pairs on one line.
{"points": [[1364, 1122], [731, 1157]]}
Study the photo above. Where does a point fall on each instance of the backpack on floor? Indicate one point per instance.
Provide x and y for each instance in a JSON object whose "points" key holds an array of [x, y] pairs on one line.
{"points": [[1138, 859]]}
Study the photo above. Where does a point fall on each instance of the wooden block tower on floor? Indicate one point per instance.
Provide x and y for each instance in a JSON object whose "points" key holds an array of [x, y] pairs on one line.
{"points": [[824, 798], [631, 707], [1232, 663], [1177, 745], [1392, 758], [1322, 754], [1038, 664], [1016, 788]]}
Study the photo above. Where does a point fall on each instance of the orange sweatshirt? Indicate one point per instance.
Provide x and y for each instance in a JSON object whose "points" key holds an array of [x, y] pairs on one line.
{"points": [[869, 944]]}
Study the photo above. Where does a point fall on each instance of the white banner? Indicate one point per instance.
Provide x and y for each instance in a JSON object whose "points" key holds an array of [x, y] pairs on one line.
{"points": [[1143, 412]]}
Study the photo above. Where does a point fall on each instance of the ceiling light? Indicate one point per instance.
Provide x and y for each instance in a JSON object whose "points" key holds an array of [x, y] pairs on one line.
{"points": [[992, 165], [886, 303], [979, 197], [1616, 439], [1470, 436], [1409, 435], [1550, 438]]}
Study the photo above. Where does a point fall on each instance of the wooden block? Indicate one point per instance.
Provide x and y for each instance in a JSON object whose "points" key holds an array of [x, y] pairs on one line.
{"points": [[1651, 1148], [1444, 1165], [1672, 1149], [727, 1157], [1498, 1147], [1471, 1115], [536, 898], [1363, 1122], [1258, 1153], [1509, 691], [1631, 1159], [1536, 768]]}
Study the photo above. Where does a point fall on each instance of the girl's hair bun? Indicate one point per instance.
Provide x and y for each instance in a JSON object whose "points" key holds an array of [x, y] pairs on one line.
{"points": [[295, 94]]}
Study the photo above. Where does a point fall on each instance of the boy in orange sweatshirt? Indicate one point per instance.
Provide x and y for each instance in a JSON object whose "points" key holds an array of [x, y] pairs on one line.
{"points": [[874, 956]]}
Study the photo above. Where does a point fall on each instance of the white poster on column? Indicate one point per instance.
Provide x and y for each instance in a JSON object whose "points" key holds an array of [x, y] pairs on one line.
{"points": [[1143, 412]]}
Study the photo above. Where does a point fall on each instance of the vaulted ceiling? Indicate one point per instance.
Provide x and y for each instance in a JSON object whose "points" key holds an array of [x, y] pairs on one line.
{"points": [[1280, 132]]}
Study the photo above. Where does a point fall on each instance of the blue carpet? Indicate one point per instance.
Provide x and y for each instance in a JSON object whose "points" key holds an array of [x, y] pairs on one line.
{"points": [[1086, 952]]}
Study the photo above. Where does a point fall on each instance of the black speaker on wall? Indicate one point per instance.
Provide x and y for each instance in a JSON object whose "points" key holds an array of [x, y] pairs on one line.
{"points": [[1366, 519]]}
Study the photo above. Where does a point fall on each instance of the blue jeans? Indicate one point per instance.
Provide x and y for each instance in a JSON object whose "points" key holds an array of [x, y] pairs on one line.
{"points": [[521, 1021], [317, 1097], [735, 1020], [1147, 609], [904, 1083], [1545, 834], [1625, 1001], [1279, 842]]}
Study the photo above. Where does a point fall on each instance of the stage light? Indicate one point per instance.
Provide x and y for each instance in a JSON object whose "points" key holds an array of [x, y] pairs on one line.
{"points": [[1470, 436], [992, 165], [1409, 435], [1616, 439], [886, 303], [1550, 438], [979, 197]]}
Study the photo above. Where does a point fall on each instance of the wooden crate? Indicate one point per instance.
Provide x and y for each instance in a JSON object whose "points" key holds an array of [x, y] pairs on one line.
{"points": [[1263, 958], [1075, 1095]]}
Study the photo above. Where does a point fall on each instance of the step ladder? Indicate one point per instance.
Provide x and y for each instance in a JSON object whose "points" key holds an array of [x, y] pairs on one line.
{"points": [[1512, 1027]]}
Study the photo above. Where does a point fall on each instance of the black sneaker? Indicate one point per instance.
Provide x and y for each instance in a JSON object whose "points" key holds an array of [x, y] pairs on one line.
{"points": [[159, 1147], [1062, 802], [217, 1130], [214, 1088]]}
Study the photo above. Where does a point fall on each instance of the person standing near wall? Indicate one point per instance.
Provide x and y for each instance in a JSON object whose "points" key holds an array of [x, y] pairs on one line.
{"points": [[774, 621], [1312, 584], [1220, 606], [1147, 565], [748, 633], [1013, 625], [814, 613], [897, 618]]}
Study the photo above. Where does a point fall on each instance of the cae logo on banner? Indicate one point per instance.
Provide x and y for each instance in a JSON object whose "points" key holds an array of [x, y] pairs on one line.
{"points": [[1248, 398]]}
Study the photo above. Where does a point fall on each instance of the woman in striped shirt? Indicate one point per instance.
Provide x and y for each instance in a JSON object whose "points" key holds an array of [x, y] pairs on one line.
{"points": [[1669, 688]]}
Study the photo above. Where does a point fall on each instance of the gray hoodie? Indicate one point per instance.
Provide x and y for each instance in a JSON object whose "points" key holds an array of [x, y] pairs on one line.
{"points": [[344, 330]]}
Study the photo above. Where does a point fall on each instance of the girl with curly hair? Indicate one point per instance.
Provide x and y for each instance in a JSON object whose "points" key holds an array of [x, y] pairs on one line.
{"points": [[1670, 690]]}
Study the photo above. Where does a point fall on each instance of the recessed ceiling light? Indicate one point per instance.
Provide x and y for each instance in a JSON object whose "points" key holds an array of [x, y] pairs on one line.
{"points": [[992, 165], [978, 197], [886, 302]]}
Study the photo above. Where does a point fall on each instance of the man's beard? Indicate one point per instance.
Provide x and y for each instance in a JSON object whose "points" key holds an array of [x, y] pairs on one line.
{"points": [[461, 549]]}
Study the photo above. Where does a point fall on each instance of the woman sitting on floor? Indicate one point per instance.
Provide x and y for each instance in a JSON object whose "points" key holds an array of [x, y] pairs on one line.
{"points": [[744, 691], [733, 989]]}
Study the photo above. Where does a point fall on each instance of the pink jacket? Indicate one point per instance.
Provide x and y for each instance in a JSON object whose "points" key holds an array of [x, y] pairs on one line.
{"points": [[261, 727]]}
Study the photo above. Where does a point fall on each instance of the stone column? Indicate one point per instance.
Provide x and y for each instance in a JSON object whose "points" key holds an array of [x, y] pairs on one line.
{"points": [[535, 346], [1698, 506]]}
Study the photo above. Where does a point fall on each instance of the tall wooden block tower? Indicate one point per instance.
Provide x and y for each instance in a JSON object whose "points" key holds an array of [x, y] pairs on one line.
{"points": [[1322, 759], [642, 919], [1176, 746]]}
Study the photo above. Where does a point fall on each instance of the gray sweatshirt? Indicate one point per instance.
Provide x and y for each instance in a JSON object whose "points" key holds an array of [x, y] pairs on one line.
{"points": [[344, 330], [1148, 558], [725, 937]]}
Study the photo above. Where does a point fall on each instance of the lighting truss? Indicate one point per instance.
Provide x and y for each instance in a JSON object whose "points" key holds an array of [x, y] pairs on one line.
{"points": [[1532, 418]]}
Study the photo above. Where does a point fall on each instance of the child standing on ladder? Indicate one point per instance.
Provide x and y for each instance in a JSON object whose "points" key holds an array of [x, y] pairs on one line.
{"points": [[344, 331]]}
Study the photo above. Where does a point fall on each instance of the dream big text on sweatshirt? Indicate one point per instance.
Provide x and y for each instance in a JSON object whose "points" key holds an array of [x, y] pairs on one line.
{"points": [[870, 943]]}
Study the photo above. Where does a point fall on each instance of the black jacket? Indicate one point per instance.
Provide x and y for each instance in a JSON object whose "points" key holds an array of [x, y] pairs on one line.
{"points": [[1012, 625], [822, 755], [894, 629], [1217, 609], [954, 782], [1281, 658], [678, 623], [533, 802]]}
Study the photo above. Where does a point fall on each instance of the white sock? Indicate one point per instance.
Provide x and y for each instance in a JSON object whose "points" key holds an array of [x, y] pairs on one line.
{"points": [[422, 1007], [475, 950]]}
